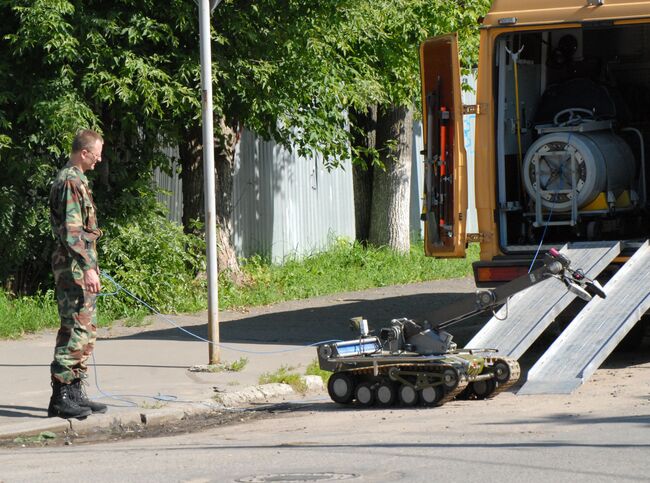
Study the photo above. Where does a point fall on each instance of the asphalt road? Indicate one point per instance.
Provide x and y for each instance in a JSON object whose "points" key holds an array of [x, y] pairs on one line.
{"points": [[599, 433]]}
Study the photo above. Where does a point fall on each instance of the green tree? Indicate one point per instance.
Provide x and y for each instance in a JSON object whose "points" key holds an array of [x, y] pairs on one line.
{"points": [[298, 68], [68, 65], [381, 135], [288, 69]]}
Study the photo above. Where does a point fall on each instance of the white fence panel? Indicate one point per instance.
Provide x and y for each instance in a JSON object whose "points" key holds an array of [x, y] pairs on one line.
{"points": [[286, 204], [171, 195]]}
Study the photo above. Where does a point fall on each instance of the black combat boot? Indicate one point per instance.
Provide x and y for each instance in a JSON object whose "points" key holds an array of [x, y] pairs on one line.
{"points": [[62, 403], [79, 396]]}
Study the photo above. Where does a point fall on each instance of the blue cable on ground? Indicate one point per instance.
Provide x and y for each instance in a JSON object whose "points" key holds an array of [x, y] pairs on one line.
{"points": [[120, 288], [165, 397], [131, 404]]}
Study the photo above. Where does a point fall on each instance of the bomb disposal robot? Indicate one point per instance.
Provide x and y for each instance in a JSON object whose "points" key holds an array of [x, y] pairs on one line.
{"points": [[411, 363]]}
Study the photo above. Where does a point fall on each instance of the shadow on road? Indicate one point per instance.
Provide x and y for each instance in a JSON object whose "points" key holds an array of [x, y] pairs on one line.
{"points": [[22, 412], [309, 325]]}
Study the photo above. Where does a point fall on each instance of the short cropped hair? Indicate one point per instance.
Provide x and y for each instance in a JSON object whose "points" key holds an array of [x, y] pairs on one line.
{"points": [[85, 139]]}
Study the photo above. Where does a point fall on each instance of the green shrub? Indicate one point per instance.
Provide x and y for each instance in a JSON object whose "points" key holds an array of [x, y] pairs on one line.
{"points": [[152, 258], [149, 256]]}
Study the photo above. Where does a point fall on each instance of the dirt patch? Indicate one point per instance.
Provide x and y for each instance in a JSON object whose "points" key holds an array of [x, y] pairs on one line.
{"points": [[123, 432]]}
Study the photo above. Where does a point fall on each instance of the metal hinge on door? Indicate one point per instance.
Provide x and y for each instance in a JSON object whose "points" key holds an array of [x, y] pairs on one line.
{"points": [[477, 237], [472, 109]]}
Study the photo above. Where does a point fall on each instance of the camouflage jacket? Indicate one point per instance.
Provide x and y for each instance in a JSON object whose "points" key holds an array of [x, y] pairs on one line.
{"points": [[74, 222]]}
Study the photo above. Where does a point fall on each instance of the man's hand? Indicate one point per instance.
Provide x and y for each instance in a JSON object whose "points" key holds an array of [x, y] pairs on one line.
{"points": [[91, 281]]}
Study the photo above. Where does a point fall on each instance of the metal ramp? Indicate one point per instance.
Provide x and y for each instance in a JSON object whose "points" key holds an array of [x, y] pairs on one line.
{"points": [[527, 314], [595, 332]]}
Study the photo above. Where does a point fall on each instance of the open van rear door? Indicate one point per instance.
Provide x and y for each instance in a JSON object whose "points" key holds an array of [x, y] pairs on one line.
{"points": [[445, 172]]}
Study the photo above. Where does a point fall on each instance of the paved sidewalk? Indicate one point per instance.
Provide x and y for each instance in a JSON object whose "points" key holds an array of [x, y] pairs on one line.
{"points": [[148, 366]]}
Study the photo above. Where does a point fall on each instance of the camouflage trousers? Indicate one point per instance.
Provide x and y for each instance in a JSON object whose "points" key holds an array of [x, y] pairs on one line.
{"points": [[76, 337]]}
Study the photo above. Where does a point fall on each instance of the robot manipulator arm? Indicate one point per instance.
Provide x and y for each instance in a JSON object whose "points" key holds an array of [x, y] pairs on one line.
{"points": [[405, 335], [555, 265]]}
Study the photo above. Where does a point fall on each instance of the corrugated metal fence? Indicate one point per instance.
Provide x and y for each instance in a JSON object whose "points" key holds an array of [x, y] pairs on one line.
{"points": [[288, 205], [170, 192], [284, 204]]}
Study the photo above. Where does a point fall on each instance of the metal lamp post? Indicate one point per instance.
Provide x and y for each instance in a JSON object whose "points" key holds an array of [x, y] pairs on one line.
{"points": [[206, 7]]}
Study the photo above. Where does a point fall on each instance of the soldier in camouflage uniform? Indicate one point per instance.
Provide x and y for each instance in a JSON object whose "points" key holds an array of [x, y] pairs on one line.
{"points": [[76, 275]]}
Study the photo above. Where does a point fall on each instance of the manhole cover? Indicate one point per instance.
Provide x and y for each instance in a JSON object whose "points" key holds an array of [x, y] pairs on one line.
{"points": [[297, 477]]}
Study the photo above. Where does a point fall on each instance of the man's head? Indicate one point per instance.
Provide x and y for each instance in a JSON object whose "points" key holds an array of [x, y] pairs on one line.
{"points": [[87, 149]]}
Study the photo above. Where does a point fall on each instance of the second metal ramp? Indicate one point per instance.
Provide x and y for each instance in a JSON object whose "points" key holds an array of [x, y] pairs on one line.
{"points": [[527, 314], [595, 332]]}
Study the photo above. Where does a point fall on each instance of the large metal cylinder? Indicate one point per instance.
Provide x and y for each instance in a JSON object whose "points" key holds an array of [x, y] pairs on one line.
{"points": [[603, 162]]}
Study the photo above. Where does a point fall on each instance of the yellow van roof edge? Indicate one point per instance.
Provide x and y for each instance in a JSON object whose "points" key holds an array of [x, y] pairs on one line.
{"points": [[549, 12]]}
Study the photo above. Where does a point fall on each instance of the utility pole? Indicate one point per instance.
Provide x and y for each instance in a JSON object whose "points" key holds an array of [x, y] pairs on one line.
{"points": [[206, 7]]}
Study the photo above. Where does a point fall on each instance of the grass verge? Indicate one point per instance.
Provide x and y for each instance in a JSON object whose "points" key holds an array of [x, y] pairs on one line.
{"points": [[234, 366], [295, 380], [345, 267], [313, 369], [284, 376], [26, 314]]}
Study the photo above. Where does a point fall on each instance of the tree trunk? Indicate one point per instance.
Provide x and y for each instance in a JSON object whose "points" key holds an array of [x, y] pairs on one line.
{"points": [[389, 221], [191, 154], [364, 135], [224, 160]]}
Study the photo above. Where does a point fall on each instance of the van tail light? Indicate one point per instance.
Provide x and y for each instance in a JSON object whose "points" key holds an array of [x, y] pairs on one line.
{"points": [[499, 274]]}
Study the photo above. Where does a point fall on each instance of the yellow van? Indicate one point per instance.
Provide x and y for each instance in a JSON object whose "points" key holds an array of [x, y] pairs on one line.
{"points": [[562, 132]]}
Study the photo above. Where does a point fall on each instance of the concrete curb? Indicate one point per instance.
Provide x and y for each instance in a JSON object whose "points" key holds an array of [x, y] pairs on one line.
{"points": [[160, 416], [267, 392], [254, 394]]}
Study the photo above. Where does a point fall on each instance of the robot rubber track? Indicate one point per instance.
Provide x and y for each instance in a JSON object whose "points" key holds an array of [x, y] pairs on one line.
{"points": [[430, 382]]}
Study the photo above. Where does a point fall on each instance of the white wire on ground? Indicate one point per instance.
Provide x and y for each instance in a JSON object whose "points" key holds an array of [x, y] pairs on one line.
{"points": [[129, 403], [120, 288], [166, 397]]}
